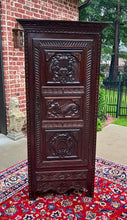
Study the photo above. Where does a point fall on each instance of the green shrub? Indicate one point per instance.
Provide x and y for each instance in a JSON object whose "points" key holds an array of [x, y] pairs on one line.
{"points": [[125, 67], [101, 105], [101, 101], [99, 125]]}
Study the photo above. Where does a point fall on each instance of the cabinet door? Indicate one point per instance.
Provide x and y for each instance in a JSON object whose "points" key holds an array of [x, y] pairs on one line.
{"points": [[62, 61], [62, 85]]}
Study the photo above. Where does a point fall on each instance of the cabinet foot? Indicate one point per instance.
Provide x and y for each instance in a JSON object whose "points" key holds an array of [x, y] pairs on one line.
{"points": [[32, 196]]}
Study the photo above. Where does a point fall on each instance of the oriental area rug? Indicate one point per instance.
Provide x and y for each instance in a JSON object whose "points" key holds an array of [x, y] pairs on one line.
{"points": [[109, 202]]}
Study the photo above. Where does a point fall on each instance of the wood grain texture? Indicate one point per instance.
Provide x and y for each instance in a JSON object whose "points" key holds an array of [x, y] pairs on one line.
{"points": [[62, 75]]}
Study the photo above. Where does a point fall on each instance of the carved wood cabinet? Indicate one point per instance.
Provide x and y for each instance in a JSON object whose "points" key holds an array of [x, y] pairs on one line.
{"points": [[62, 60]]}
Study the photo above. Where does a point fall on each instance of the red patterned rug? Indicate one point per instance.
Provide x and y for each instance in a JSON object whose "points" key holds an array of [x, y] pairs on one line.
{"points": [[109, 202]]}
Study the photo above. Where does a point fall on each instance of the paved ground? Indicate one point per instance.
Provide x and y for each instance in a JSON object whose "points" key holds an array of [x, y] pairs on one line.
{"points": [[111, 145], [11, 152]]}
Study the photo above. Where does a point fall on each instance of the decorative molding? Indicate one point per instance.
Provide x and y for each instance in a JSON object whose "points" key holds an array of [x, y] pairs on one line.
{"points": [[82, 27], [95, 85], [37, 114], [62, 90], [48, 26], [88, 88], [62, 124], [90, 32], [30, 138], [62, 44], [61, 175]]}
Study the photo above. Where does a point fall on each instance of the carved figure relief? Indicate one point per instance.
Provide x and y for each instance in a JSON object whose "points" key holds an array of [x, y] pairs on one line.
{"points": [[63, 108], [63, 68], [61, 145]]}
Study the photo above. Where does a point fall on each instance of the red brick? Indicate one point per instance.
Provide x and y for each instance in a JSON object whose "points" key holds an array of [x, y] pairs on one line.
{"points": [[20, 10], [8, 91], [3, 28], [35, 1], [21, 1], [29, 13], [37, 5], [3, 11], [26, 7], [48, 14], [18, 5], [10, 43], [50, 11], [17, 15], [9, 29], [34, 10], [20, 63], [37, 15], [8, 7], [19, 54], [13, 58], [20, 97]]}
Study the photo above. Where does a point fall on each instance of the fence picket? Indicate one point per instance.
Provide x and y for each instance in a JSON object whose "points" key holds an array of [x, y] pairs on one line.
{"points": [[116, 96]]}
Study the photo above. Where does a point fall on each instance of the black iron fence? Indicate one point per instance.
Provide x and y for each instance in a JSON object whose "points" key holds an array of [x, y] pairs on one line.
{"points": [[116, 96]]}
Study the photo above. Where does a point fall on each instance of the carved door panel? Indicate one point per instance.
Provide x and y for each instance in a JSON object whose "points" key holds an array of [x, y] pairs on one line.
{"points": [[62, 73], [59, 69]]}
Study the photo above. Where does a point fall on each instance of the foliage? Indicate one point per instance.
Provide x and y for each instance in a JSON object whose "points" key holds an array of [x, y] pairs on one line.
{"points": [[101, 105], [101, 101], [123, 54], [120, 121], [105, 10], [103, 68], [125, 67], [99, 125]]}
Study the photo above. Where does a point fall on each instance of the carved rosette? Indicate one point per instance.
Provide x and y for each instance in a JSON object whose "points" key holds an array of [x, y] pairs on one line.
{"points": [[61, 145], [63, 68]]}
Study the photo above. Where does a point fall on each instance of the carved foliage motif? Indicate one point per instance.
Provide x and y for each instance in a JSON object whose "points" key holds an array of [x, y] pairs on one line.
{"points": [[63, 108], [60, 175], [61, 145], [63, 68]]}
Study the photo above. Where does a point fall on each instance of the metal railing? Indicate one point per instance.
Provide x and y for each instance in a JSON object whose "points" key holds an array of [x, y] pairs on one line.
{"points": [[116, 96]]}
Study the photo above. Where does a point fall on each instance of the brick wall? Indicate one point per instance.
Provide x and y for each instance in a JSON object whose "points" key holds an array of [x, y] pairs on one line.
{"points": [[13, 58]]}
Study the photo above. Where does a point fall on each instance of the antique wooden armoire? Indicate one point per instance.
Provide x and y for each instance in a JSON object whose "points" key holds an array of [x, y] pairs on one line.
{"points": [[62, 60]]}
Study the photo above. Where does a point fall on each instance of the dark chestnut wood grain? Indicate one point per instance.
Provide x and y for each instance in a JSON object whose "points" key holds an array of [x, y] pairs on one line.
{"points": [[62, 60]]}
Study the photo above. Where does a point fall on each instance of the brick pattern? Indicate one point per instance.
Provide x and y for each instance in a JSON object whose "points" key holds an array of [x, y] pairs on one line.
{"points": [[13, 58]]}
